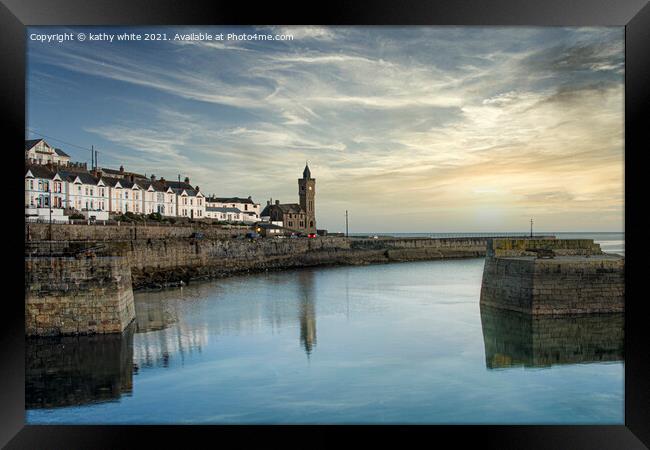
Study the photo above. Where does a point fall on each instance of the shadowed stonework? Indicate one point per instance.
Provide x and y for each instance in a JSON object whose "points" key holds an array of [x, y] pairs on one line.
{"points": [[518, 339], [78, 370]]}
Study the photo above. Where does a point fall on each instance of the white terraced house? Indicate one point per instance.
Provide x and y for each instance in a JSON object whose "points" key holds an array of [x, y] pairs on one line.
{"points": [[249, 211], [190, 201], [158, 197], [125, 196], [86, 192], [45, 194], [37, 151]]}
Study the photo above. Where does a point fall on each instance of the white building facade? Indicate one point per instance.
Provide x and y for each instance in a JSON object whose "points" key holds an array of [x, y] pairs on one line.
{"points": [[37, 151]]}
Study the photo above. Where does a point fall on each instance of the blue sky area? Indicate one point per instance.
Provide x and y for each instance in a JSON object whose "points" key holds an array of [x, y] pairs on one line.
{"points": [[437, 129]]}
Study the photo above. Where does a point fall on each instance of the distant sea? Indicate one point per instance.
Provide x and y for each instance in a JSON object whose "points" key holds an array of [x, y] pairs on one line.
{"points": [[610, 241]]}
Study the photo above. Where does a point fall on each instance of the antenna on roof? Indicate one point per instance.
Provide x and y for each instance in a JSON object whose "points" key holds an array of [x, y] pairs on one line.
{"points": [[92, 157], [96, 161]]}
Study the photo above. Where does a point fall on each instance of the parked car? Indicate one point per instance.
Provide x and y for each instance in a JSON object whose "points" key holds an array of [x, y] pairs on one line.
{"points": [[311, 235], [252, 235]]}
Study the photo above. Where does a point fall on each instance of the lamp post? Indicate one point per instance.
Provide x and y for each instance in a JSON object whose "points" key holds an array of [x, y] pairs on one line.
{"points": [[49, 191], [346, 224]]}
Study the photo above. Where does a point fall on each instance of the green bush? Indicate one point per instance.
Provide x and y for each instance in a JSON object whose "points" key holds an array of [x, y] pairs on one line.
{"points": [[76, 216], [156, 216]]}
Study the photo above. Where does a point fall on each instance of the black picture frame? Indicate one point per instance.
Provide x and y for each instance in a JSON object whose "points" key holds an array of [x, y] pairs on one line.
{"points": [[15, 15]]}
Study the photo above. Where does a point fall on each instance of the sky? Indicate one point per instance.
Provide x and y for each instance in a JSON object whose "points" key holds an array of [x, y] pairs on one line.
{"points": [[411, 129]]}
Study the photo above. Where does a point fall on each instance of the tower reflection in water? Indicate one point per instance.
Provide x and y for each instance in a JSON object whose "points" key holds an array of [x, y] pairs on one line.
{"points": [[307, 310], [516, 339], [72, 371]]}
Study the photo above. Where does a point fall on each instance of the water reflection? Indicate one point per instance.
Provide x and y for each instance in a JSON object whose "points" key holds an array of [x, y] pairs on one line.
{"points": [[161, 334], [307, 311], [516, 339], [76, 370]]}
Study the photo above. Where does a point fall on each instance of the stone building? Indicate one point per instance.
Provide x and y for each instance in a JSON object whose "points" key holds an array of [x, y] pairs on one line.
{"points": [[300, 216]]}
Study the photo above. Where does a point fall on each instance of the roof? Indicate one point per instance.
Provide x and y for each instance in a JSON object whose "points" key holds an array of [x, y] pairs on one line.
{"points": [[180, 186], [29, 143], [61, 152], [84, 177], [285, 208], [230, 200], [306, 173], [121, 173], [222, 209], [40, 171]]}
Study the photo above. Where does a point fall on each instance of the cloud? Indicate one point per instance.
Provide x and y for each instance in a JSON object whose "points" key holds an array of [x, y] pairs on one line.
{"points": [[422, 126]]}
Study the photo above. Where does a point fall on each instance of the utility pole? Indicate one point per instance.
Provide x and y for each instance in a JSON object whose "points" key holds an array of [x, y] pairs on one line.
{"points": [[346, 224], [531, 227]]}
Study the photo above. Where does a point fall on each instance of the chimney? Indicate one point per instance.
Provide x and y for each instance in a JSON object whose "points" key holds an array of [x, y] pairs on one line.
{"points": [[277, 202], [162, 180], [197, 188], [187, 180], [153, 177], [268, 203], [121, 169], [132, 178]]}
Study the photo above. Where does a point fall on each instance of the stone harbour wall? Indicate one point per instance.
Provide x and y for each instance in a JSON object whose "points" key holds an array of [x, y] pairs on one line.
{"points": [[70, 295], [164, 262], [561, 247], [563, 285], [66, 232]]}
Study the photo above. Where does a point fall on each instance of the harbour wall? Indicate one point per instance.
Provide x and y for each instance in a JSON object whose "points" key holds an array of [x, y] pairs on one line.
{"points": [[579, 279], [82, 281], [77, 295], [35, 232]]}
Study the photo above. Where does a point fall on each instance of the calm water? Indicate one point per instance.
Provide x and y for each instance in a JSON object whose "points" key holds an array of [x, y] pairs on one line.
{"points": [[396, 343]]}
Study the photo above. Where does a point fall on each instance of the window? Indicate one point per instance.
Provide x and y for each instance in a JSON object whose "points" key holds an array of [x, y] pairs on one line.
{"points": [[126, 194]]}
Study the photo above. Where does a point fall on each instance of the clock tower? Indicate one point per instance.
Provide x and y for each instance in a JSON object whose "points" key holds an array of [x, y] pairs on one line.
{"points": [[307, 194]]}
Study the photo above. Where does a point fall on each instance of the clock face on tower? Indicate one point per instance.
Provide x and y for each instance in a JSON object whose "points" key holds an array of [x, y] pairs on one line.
{"points": [[310, 188]]}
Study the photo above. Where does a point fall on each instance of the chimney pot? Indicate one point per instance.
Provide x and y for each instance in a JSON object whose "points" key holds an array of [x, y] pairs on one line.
{"points": [[153, 177], [187, 180], [121, 169], [277, 202]]}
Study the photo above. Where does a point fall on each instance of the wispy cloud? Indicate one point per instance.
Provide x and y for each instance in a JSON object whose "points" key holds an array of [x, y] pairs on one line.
{"points": [[413, 128]]}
